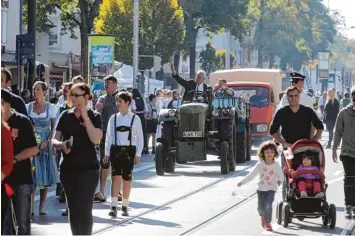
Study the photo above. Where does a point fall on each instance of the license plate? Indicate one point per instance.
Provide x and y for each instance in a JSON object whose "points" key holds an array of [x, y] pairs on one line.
{"points": [[192, 134]]}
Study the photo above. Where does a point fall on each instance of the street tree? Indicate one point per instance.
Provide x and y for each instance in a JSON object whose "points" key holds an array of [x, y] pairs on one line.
{"points": [[161, 30], [293, 30], [74, 14], [213, 16]]}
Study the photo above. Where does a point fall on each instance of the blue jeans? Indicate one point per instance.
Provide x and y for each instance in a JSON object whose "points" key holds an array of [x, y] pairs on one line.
{"points": [[22, 205], [265, 200]]}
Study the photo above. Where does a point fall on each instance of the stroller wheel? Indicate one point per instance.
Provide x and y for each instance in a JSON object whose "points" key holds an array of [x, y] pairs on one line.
{"points": [[325, 218], [286, 214], [332, 216], [300, 218], [279, 212]]}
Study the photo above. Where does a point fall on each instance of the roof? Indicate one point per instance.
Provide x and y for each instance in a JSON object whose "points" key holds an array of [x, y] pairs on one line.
{"points": [[249, 69], [249, 83]]}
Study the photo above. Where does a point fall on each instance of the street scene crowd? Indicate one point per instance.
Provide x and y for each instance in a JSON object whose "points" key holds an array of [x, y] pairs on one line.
{"points": [[82, 140]]}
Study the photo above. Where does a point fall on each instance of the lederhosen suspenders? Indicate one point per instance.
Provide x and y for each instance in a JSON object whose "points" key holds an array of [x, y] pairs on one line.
{"points": [[118, 151]]}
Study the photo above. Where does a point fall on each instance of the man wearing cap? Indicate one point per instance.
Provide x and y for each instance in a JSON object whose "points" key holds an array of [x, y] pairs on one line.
{"points": [[345, 131], [306, 99]]}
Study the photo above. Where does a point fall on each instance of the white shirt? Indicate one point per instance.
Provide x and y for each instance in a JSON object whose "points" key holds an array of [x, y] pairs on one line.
{"points": [[61, 101], [269, 175], [199, 87], [52, 111], [159, 103], [122, 137], [133, 106], [305, 100]]}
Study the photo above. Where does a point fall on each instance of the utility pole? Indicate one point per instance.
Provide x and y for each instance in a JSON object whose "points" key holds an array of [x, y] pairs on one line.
{"points": [[135, 40], [19, 67], [227, 65], [31, 25]]}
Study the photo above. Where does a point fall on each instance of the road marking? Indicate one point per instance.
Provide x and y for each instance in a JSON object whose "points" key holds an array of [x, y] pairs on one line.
{"points": [[275, 226], [349, 228], [138, 169]]}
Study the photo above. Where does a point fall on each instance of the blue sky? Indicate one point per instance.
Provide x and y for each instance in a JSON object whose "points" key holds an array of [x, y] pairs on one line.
{"points": [[346, 7]]}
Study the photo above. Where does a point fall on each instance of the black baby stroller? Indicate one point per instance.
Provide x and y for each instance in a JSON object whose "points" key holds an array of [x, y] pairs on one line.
{"points": [[295, 206]]}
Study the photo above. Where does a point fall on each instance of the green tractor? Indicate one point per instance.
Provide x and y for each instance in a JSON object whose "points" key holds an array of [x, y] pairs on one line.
{"points": [[196, 129]]}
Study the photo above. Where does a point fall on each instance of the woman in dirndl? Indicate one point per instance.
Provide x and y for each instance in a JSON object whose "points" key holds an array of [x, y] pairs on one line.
{"points": [[43, 115]]}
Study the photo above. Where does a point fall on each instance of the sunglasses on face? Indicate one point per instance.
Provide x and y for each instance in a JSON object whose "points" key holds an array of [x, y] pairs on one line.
{"points": [[293, 96], [76, 95]]}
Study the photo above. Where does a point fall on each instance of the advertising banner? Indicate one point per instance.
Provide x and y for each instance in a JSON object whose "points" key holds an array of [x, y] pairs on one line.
{"points": [[101, 51]]}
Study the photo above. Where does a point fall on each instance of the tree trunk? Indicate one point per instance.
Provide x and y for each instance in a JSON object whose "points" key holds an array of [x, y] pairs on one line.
{"points": [[84, 31], [174, 84], [191, 33], [260, 58]]}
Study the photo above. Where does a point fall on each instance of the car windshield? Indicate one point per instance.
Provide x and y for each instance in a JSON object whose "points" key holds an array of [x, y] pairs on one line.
{"points": [[257, 96], [224, 102]]}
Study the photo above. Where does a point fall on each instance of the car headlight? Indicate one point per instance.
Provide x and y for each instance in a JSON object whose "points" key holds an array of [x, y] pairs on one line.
{"points": [[262, 128], [171, 113], [215, 113]]}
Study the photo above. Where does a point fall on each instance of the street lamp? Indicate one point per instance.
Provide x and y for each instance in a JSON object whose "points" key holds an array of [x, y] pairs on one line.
{"points": [[135, 40]]}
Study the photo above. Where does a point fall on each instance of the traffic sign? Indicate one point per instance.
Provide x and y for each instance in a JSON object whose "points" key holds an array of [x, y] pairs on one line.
{"points": [[25, 47]]}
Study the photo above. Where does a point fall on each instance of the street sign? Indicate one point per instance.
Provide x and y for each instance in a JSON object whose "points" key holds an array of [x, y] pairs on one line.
{"points": [[40, 70], [323, 65], [25, 47]]}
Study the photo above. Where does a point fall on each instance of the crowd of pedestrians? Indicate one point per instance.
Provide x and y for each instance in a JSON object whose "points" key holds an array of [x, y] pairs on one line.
{"points": [[76, 140]]}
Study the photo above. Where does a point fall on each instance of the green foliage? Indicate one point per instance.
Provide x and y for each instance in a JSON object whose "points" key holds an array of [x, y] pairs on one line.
{"points": [[294, 30], [214, 16], [161, 29]]}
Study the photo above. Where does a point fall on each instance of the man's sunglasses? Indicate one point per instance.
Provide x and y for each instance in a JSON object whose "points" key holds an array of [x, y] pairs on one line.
{"points": [[293, 96]]}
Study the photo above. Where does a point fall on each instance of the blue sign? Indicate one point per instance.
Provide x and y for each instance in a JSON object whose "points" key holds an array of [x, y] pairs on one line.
{"points": [[101, 60]]}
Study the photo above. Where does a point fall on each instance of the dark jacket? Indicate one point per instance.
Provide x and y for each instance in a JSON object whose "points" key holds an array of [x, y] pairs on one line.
{"points": [[190, 85], [331, 111]]}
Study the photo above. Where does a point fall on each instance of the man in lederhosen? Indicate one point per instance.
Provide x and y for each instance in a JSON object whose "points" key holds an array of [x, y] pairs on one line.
{"points": [[123, 147]]}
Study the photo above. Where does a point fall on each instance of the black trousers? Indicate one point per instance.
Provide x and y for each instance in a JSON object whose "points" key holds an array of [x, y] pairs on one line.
{"points": [[349, 179], [4, 206], [79, 188], [144, 128], [330, 127]]}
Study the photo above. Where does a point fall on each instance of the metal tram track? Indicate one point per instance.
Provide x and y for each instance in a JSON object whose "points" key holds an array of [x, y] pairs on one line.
{"points": [[207, 186], [205, 223]]}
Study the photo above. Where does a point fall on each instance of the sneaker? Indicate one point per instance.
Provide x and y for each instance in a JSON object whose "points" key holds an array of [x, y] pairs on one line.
{"points": [[268, 227], [348, 213], [113, 212], [99, 197], [263, 221], [124, 211], [319, 195], [303, 194]]}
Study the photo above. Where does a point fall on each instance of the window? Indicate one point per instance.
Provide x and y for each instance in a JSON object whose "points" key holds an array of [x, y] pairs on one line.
{"points": [[54, 37], [4, 26]]}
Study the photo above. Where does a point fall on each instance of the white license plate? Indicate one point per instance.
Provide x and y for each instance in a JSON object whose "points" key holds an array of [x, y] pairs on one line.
{"points": [[192, 134]]}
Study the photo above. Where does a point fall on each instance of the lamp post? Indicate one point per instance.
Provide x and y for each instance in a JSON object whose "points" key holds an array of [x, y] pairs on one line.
{"points": [[135, 40]]}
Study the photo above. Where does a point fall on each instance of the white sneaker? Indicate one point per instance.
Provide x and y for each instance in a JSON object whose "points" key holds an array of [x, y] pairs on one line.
{"points": [[303, 194], [319, 195]]}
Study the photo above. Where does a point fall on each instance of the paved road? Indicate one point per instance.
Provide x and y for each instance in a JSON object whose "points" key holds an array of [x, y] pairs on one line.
{"points": [[195, 200]]}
